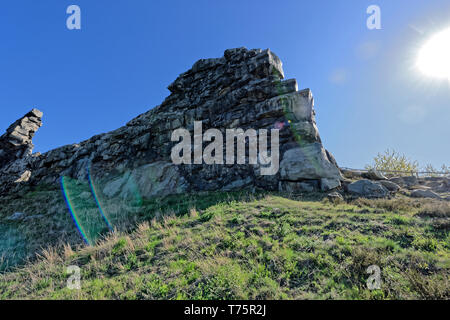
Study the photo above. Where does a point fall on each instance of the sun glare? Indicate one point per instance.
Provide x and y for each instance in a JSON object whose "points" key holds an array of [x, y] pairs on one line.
{"points": [[434, 57]]}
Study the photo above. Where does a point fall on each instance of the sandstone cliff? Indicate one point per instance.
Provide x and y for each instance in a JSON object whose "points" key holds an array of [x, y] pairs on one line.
{"points": [[243, 89]]}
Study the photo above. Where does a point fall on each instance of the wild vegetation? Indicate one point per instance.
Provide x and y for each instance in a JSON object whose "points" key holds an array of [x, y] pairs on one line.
{"points": [[255, 246], [392, 162], [46, 218]]}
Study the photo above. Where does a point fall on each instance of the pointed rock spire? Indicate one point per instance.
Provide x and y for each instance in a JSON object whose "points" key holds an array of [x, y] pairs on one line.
{"points": [[17, 142]]}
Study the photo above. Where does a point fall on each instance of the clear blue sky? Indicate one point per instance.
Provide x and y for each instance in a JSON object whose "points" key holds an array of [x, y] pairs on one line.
{"points": [[368, 95]]}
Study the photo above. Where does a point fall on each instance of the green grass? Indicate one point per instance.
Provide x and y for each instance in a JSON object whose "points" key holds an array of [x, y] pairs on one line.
{"points": [[243, 246], [47, 222]]}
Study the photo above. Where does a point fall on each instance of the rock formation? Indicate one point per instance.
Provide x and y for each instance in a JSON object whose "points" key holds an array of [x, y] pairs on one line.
{"points": [[16, 149], [16, 143], [373, 184], [243, 89]]}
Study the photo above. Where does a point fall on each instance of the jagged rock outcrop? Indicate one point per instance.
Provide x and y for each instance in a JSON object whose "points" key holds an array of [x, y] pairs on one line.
{"points": [[243, 89], [16, 149], [17, 143]]}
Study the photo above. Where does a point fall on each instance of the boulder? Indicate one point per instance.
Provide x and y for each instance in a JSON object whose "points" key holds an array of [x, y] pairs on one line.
{"points": [[335, 196], [405, 182], [367, 189], [373, 174], [308, 162], [391, 186], [437, 184], [351, 174], [297, 187], [329, 184], [420, 193]]}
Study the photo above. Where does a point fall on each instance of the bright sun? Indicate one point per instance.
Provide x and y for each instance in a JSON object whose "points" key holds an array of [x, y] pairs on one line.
{"points": [[434, 57]]}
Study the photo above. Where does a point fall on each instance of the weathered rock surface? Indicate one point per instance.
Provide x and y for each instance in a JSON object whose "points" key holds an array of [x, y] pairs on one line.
{"points": [[155, 179], [367, 189], [308, 162], [299, 187], [335, 196], [425, 187], [437, 184], [16, 149], [391, 186], [351, 174], [374, 175], [243, 89], [16, 143], [420, 193], [405, 182], [329, 184]]}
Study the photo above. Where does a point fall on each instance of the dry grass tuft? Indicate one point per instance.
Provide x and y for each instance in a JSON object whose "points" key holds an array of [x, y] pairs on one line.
{"points": [[395, 205], [436, 209], [193, 213]]}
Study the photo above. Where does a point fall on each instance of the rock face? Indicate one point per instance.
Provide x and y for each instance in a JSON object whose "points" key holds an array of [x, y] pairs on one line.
{"points": [[243, 89], [16, 149], [16, 143]]}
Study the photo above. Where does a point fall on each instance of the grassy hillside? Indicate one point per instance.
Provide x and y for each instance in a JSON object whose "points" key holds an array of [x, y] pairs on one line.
{"points": [[45, 219], [257, 247]]}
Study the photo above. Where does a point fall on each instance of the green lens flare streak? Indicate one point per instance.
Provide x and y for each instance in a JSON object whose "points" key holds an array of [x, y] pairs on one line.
{"points": [[288, 116], [97, 201], [72, 211]]}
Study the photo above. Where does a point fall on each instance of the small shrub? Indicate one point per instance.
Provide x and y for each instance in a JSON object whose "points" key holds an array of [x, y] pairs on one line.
{"points": [[425, 244], [206, 216], [392, 160], [432, 172]]}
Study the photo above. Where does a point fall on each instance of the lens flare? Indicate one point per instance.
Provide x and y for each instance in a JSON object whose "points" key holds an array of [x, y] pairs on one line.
{"points": [[96, 198], [133, 192], [290, 125], [72, 210]]}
